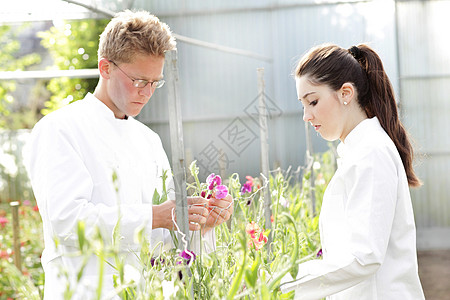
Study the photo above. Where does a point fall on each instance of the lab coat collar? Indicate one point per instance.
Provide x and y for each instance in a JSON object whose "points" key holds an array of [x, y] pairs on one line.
{"points": [[358, 133], [102, 109]]}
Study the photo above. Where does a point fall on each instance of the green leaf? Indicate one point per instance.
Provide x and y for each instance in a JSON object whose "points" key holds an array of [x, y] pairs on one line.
{"points": [[251, 276], [81, 232]]}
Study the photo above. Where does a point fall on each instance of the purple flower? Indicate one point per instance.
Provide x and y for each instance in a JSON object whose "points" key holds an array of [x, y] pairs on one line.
{"points": [[187, 256], [246, 188], [221, 192], [156, 261], [319, 253]]}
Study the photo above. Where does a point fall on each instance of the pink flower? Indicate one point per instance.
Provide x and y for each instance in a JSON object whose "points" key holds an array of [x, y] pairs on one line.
{"points": [[213, 180], [250, 180], [4, 254], [27, 202], [252, 228], [246, 188], [221, 192], [3, 221], [257, 237]]}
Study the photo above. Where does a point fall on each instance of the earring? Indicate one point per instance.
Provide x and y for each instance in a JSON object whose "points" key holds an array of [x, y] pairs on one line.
{"points": [[345, 103]]}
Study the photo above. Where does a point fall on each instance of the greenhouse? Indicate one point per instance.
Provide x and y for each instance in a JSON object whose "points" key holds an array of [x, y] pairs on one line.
{"points": [[210, 183]]}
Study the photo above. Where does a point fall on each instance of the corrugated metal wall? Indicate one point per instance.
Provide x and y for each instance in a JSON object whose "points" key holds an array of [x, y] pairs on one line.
{"points": [[424, 43], [219, 89]]}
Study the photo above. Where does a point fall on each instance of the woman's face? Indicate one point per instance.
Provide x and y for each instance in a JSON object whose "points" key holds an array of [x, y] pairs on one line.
{"points": [[323, 108]]}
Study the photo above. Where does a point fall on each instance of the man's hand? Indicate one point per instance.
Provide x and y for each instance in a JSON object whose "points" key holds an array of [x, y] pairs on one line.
{"points": [[197, 213], [220, 210]]}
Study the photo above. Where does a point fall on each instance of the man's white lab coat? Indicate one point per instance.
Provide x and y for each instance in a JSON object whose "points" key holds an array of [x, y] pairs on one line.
{"points": [[74, 153]]}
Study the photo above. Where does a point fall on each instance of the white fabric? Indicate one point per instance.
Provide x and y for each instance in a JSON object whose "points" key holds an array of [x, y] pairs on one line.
{"points": [[367, 226], [73, 155]]}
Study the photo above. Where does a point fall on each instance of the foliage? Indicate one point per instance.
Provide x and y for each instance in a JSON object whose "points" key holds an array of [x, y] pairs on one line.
{"points": [[14, 182], [9, 61], [237, 269], [29, 283], [73, 45]]}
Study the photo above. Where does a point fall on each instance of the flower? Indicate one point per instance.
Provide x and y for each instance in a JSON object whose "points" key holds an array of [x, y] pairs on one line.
{"points": [[169, 289], [246, 188], [131, 274], [221, 192], [35, 208], [252, 228], [319, 253], [213, 180], [156, 261], [187, 256], [3, 221], [4, 254], [257, 237], [250, 180], [27, 202]]}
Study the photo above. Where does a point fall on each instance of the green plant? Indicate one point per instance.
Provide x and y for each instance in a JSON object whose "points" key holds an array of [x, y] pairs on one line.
{"points": [[73, 45], [237, 269]]}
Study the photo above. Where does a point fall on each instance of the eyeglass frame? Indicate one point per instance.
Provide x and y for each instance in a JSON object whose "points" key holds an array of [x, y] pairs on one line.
{"points": [[141, 83]]}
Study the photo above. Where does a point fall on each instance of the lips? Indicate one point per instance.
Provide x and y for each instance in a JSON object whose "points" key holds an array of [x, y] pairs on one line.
{"points": [[316, 127]]}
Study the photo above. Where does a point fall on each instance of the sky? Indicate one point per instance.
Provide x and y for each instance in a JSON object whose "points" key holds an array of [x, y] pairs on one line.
{"points": [[35, 10]]}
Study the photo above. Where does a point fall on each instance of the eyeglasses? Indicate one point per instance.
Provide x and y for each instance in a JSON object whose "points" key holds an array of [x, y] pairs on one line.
{"points": [[141, 83]]}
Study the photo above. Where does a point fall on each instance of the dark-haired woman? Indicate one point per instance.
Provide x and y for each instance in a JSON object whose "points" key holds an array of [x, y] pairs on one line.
{"points": [[367, 225]]}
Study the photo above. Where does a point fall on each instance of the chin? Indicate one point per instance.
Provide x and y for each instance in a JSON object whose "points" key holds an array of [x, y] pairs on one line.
{"points": [[329, 138]]}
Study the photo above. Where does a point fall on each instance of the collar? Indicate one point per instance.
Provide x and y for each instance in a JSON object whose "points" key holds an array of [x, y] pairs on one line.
{"points": [[356, 135], [102, 108]]}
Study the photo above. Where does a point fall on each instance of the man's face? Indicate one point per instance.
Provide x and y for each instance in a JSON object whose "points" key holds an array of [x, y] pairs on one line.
{"points": [[125, 99]]}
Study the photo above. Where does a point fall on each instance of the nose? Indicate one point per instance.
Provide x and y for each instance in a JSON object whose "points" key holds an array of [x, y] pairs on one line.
{"points": [[147, 91], [307, 116]]}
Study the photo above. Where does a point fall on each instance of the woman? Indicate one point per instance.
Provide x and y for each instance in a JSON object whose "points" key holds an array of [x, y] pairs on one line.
{"points": [[367, 226]]}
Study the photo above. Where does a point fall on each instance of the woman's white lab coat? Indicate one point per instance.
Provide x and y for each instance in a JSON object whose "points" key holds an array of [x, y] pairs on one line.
{"points": [[367, 226]]}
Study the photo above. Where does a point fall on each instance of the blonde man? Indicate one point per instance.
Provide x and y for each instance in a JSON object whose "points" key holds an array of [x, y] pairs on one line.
{"points": [[76, 150]]}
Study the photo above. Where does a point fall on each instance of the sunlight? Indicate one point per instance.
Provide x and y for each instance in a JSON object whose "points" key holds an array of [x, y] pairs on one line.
{"points": [[31, 10]]}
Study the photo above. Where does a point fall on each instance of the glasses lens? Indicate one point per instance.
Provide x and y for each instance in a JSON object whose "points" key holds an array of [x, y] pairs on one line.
{"points": [[158, 84], [140, 83]]}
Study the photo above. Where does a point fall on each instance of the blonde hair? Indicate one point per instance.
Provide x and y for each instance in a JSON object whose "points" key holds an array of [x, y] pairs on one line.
{"points": [[134, 32]]}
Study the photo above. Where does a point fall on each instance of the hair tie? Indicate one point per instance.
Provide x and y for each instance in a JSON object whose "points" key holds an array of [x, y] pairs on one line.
{"points": [[355, 52]]}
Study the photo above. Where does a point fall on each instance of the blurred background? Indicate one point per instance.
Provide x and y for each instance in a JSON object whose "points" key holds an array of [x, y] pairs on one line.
{"points": [[48, 59]]}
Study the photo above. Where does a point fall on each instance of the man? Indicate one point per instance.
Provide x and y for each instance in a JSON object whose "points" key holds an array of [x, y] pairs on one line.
{"points": [[91, 161]]}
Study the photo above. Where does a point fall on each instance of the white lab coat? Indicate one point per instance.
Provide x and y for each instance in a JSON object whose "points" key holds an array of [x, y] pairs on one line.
{"points": [[367, 227], [73, 155]]}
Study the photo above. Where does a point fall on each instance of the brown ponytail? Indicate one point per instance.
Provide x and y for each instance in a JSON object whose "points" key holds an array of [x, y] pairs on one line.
{"points": [[333, 66]]}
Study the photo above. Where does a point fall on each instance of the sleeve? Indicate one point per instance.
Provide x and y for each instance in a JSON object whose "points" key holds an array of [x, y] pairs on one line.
{"points": [[63, 187], [371, 195]]}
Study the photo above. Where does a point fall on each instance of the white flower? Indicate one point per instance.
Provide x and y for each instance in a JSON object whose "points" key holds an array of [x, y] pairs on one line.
{"points": [[169, 289], [316, 165], [284, 202], [131, 274]]}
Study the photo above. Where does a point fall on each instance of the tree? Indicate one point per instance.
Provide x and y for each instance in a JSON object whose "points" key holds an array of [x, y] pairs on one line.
{"points": [[73, 45], [10, 111]]}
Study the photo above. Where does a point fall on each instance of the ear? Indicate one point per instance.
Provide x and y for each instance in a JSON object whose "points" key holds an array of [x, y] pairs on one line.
{"points": [[104, 67], [346, 93]]}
